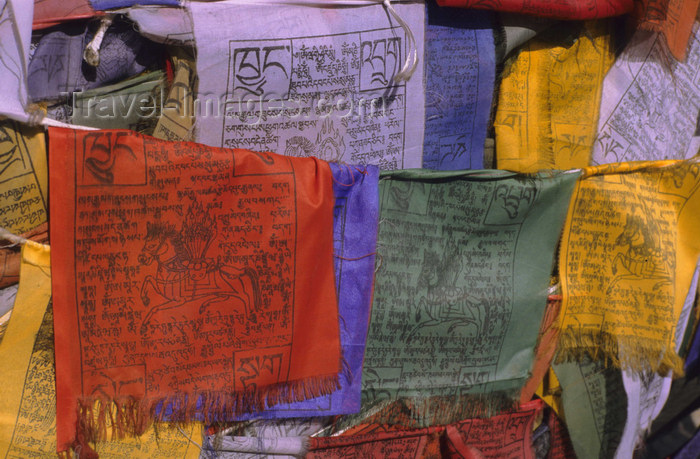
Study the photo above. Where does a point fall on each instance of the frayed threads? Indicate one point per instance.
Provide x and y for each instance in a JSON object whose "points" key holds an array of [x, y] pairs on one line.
{"points": [[100, 418], [628, 353]]}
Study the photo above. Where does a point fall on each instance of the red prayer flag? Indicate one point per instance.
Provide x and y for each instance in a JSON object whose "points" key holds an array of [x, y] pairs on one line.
{"points": [[507, 435], [196, 278], [562, 9]]}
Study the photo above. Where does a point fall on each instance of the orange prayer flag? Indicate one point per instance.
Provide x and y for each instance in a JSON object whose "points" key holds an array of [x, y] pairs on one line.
{"points": [[189, 282]]}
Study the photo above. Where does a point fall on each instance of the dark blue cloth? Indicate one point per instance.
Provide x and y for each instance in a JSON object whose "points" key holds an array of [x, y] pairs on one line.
{"points": [[57, 67]]}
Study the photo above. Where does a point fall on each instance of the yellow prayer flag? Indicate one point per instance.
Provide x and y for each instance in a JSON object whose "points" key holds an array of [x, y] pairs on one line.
{"points": [[628, 254], [23, 177], [549, 98]]}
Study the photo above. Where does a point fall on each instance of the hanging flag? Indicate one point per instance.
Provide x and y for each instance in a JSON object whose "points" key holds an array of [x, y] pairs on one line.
{"points": [[134, 103], [650, 107], [355, 219], [343, 83], [460, 70], [15, 38], [546, 348], [594, 406], [560, 442], [23, 177], [28, 390], [647, 392], [376, 442], [507, 435], [549, 98], [672, 18], [461, 288], [627, 258], [192, 281], [561, 9]]}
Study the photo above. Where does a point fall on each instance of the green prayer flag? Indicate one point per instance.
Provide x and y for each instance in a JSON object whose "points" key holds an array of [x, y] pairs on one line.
{"points": [[130, 104], [595, 406], [464, 264]]}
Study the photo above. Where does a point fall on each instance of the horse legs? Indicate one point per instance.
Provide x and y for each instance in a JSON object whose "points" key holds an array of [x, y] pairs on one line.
{"points": [[167, 305], [418, 327], [221, 297], [148, 281]]}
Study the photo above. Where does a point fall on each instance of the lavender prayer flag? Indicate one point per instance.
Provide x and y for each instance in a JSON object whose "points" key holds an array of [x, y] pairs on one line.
{"points": [[690, 450], [57, 67], [460, 68], [15, 35], [355, 222]]}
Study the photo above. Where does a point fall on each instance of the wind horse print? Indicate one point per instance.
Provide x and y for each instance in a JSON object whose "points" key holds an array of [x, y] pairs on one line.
{"points": [[628, 254], [461, 289], [186, 280], [185, 275]]}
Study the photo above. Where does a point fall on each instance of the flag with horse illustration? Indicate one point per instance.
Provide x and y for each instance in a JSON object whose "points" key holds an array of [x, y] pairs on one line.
{"points": [[627, 258], [188, 279]]}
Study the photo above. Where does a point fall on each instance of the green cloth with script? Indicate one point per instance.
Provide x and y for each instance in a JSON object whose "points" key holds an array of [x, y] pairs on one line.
{"points": [[463, 267]]}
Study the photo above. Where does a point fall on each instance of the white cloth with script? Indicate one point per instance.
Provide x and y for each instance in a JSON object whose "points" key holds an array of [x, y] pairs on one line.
{"points": [[647, 393], [650, 103], [312, 79], [15, 37]]}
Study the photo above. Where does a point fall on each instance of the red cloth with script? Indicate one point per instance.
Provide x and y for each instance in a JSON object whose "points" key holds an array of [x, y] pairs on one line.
{"points": [[376, 442], [189, 282], [560, 446], [505, 436], [546, 348], [559, 9], [674, 19]]}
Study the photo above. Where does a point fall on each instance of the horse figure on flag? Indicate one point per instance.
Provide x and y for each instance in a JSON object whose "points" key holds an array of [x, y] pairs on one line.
{"points": [[184, 274]]}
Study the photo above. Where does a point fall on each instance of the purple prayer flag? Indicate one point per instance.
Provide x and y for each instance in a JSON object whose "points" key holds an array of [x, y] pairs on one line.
{"points": [[108, 4], [460, 70], [355, 223]]}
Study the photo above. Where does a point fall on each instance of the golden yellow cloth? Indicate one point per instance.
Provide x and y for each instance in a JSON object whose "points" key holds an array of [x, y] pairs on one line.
{"points": [[23, 177], [27, 379], [549, 391], [549, 99], [176, 122], [628, 253]]}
